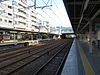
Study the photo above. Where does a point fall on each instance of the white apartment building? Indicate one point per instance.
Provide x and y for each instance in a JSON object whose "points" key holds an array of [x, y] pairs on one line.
{"points": [[19, 22], [17, 16]]}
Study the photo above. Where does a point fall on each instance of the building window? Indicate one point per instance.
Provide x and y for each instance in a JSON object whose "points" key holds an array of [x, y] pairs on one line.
{"points": [[10, 21], [5, 20], [9, 14], [0, 19], [33, 21], [22, 23], [32, 12], [21, 5], [9, 7], [22, 11], [15, 22]]}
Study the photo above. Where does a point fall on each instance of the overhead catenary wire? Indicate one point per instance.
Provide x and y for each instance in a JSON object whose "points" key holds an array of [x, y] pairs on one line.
{"points": [[52, 10], [38, 12], [54, 13], [60, 13], [48, 2], [48, 15], [41, 15], [58, 9], [53, 20]]}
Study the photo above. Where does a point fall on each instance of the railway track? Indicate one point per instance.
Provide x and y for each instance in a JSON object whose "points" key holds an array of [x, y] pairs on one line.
{"points": [[21, 51], [54, 65], [31, 60], [18, 50], [15, 57]]}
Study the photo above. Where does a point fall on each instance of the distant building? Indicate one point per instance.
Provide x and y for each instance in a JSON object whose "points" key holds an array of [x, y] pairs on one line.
{"points": [[59, 30]]}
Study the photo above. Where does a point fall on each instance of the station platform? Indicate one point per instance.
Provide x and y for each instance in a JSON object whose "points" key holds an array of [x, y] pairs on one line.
{"points": [[80, 61], [17, 44], [16, 41]]}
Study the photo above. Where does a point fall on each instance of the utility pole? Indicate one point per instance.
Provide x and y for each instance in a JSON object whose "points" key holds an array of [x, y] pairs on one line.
{"points": [[13, 11], [34, 4], [90, 36], [13, 3]]}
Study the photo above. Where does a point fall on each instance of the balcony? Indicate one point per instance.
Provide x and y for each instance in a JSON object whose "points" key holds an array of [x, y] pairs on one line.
{"points": [[6, 24], [20, 26], [21, 14], [21, 20]]}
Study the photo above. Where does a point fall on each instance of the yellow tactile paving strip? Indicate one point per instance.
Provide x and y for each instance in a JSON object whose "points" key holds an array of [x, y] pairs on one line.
{"points": [[37, 43], [87, 67]]}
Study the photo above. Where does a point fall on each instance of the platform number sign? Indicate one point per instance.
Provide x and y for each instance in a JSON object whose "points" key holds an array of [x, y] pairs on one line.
{"points": [[97, 27]]}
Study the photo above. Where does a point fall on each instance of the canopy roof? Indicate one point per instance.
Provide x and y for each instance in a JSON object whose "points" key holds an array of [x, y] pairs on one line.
{"points": [[83, 13]]}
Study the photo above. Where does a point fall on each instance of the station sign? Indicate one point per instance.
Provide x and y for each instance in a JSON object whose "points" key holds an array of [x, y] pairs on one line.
{"points": [[97, 27]]}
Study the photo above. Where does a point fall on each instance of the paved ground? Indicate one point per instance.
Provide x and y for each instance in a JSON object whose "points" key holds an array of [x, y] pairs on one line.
{"points": [[80, 61], [71, 64], [93, 58]]}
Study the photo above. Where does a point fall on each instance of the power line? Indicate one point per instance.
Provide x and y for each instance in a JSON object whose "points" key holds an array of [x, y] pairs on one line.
{"points": [[53, 12], [55, 15], [46, 13], [47, 2], [53, 20], [58, 8], [38, 12], [43, 16], [49, 16]]}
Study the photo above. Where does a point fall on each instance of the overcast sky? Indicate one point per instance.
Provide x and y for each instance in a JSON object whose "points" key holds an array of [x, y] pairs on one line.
{"points": [[56, 14]]}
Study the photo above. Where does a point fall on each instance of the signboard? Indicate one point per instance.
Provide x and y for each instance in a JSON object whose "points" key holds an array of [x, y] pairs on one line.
{"points": [[6, 37], [97, 27]]}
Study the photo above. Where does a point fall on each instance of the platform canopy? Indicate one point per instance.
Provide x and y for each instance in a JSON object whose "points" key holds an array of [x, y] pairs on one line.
{"points": [[83, 13]]}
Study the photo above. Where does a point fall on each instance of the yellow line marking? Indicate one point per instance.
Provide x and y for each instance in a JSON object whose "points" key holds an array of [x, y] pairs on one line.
{"points": [[87, 67]]}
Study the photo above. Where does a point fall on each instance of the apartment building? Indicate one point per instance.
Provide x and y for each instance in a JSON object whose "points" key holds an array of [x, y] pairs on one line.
{"points": [[19, 22], [17, 15]]}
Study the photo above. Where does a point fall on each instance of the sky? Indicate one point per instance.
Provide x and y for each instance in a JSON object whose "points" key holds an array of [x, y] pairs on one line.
{"points": [[56, 14]]}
